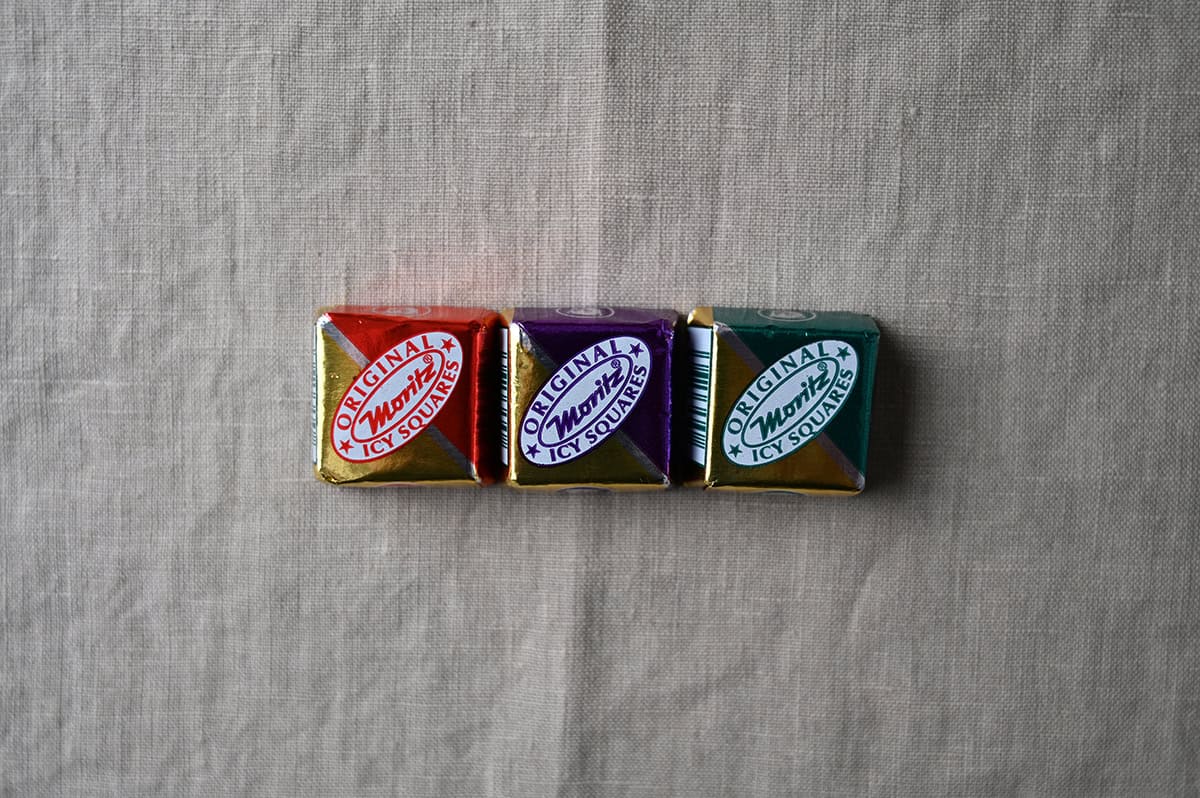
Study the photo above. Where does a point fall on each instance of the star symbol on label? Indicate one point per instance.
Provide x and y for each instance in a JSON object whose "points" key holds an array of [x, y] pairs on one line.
{"points": [[735, 449], [448, 344], [532, 451], [344, 446], [843, 352], [635, 349]]}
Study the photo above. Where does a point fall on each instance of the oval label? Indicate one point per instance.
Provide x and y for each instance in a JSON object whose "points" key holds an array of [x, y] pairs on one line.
{"points": [[790, 402], [396, 397], [787, 315], [585, 401], [586, 312]]}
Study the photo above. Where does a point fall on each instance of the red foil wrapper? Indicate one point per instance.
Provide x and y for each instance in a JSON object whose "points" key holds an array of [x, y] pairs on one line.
{"points": [[405, 395]]}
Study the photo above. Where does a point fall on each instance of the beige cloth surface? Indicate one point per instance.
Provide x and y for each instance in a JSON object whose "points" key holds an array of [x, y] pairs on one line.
{"points": [[1011, 189]]}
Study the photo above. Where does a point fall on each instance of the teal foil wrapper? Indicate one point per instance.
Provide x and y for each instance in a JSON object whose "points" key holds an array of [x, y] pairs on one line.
{"points": [[781, 399]]}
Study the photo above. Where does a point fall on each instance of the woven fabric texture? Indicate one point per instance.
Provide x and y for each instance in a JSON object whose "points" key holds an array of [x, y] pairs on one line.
{"points": [[1011, 189]]}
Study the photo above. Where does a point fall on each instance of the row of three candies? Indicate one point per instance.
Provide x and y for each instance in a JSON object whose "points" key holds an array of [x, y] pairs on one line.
{"points": [[586, 397]]}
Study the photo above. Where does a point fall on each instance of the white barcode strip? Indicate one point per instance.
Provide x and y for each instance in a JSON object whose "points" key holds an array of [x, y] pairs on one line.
{"points": [[504, 395], [701, 339]]}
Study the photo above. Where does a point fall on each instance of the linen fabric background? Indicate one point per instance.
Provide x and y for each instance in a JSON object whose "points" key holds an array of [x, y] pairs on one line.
{"points": [[1011, 189]]}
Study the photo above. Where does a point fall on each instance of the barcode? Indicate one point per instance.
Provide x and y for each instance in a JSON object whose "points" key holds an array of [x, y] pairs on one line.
{"points": [[504, 395], [701, 338]]}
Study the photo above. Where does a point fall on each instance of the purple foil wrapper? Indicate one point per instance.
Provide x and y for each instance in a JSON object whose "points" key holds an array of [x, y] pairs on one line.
{"points": [[590, 397]]}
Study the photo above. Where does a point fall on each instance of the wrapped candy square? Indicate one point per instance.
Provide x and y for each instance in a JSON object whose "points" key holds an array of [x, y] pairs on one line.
{"points": [[588, 397], [405, 395], [781, 399]]}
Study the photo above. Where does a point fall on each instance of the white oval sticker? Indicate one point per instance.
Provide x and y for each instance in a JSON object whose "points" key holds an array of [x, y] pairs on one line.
{"points": [[790, 402], [787, 315], [585, 401], [396, 397]]}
